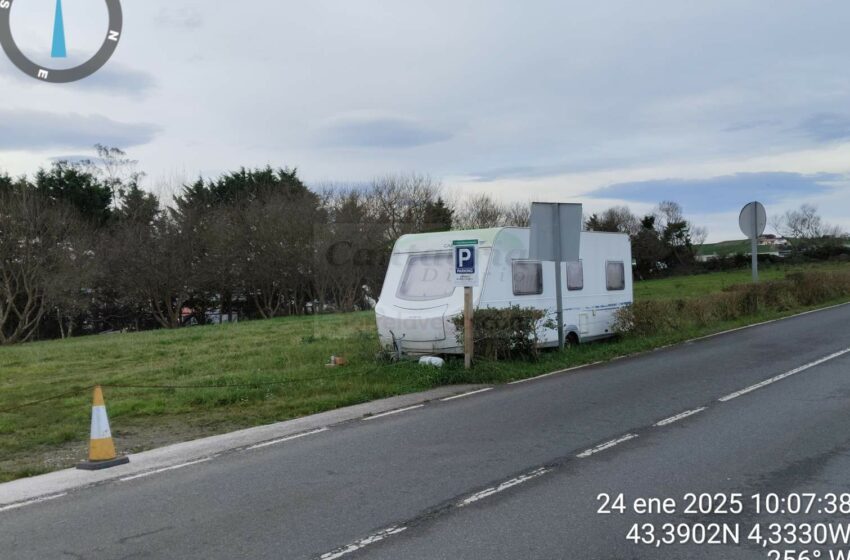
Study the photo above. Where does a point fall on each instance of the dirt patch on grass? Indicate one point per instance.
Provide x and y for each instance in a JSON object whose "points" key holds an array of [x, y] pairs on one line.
{"points": [[132, 438]]}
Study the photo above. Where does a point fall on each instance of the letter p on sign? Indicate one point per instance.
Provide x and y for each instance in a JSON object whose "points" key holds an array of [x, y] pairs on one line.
{"points": [[465, 258]]}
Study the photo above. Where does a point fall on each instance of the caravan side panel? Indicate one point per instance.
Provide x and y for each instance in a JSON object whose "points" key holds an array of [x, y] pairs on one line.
{"points": [[589, 305]]}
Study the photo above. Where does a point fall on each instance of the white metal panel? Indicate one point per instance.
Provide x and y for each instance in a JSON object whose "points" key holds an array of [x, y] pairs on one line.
{"points": [[555, 231]]}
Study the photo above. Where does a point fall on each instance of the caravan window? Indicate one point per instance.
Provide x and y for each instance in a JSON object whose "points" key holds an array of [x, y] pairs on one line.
{"points": [[575, 275], [427, 276], [528, 278], [615, 275]]}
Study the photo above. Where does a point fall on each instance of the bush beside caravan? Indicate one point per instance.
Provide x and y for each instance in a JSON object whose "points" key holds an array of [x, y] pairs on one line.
{"points": [[419, 299]]}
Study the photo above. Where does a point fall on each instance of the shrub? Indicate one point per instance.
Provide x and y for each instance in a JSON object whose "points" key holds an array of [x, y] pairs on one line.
{"points": [[507, 333], [800, 289]]}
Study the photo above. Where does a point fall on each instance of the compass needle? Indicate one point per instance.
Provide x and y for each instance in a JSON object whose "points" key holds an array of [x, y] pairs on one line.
{"points": [[59, 50]]}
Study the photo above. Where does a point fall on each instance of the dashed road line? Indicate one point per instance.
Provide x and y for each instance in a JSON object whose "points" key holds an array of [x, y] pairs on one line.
{"points": [[794, 371], [679, 416], [483, 494], [470, 393], [396, 411], [503, 486], [362, 543], [396, 529], [165, 469], [607, 445], [535, 378], [32, 502], [287, 438]]}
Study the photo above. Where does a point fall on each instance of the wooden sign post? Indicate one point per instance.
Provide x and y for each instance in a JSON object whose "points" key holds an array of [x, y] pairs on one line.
{"points": [[468, 339], [466, 275]]}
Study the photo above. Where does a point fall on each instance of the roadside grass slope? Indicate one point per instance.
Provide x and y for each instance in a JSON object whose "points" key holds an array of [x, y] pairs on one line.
{"points": [[677, 287], [728, 248], [278, 365]]}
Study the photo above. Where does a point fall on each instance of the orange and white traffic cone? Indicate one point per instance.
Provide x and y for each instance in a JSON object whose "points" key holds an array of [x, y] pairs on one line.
{"points": [[101, 447]]}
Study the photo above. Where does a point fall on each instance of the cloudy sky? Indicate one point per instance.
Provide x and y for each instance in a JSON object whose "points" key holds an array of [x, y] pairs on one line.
{"points": [[712, 104]]}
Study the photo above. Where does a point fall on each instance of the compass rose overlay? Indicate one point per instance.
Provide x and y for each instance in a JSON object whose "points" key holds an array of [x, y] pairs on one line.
{"points": [[64, 75]]}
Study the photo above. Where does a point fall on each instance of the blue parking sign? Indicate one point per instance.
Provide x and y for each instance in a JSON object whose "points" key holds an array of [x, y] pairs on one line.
{"points": [[466, 272], [465, 260]]}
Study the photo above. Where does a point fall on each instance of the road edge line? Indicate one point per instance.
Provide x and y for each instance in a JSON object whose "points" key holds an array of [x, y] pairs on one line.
{"points": [[674, 344]]}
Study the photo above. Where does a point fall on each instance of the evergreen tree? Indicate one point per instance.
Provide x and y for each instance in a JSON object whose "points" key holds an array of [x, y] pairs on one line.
{"points": [[77, 187], [137, 205], [437, 216]]}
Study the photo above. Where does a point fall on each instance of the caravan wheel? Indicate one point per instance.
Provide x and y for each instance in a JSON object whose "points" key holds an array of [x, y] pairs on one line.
{"points": [[571, 340]]}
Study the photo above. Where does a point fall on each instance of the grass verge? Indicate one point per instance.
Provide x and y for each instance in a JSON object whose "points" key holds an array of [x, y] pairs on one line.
{"points": [[279, 365]]}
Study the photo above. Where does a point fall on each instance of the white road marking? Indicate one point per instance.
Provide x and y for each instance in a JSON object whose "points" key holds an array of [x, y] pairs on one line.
{"points": [[288, 438], [679, 416], [689, 341], [396, 411], [503, 486], [462, 395], [166, 469], [31, 502], [555, 373], [362, 543], [712, 335], [767, 382], [607, 445]]}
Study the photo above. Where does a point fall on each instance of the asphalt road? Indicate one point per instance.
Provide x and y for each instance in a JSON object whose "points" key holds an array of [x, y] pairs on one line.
{"points": [[513, 472]]}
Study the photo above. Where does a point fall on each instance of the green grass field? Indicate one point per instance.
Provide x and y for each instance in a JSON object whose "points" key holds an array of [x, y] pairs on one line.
{"points": [[728, 248], [279, 365], [701, 284]]}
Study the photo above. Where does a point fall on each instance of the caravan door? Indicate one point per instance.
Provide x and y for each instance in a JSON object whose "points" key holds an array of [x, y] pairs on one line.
{"points": [[584, 324]]}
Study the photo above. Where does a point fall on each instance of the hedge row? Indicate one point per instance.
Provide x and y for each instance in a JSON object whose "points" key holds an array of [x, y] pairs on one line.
{"points": [[505, 334], [799, 289]]}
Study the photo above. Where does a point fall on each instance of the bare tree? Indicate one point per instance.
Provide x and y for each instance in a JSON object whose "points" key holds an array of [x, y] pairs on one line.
{"points": [[401, 202], [352, 249], [698, 234], [278, 260], [806, 226], [115, 169], [617, 219], [518, 214], [669, 212], [40, 256], [480, 211], [70, 289], [152, 262]]}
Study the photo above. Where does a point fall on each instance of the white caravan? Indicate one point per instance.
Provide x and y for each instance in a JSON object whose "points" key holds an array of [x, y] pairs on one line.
{"points": [[419, 299]]}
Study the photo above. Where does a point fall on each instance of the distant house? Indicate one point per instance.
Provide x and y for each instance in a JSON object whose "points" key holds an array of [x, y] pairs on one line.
{"points": [[773, 245], [771, 240]]}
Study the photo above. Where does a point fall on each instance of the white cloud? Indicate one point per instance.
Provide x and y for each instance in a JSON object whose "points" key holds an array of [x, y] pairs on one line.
{"points": [[186, 17], [550, 101], [578, 187]]}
